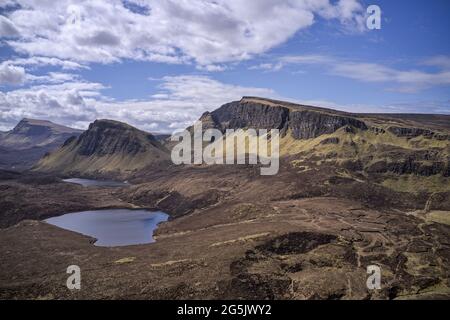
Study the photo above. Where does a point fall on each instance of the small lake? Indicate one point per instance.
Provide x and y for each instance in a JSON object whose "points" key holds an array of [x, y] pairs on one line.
{"points": [[98, 183], [113, 227]]}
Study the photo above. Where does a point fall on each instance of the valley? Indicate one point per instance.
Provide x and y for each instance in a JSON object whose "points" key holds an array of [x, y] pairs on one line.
{"points": [[352, 190]]}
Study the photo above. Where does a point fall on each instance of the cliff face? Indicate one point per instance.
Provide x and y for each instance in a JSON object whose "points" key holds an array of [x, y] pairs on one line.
{"points": [[106, 148], [304, 122], [107, 137], [378, 144], [241, 114], [368, 144], [417, 132], [311, 124]]}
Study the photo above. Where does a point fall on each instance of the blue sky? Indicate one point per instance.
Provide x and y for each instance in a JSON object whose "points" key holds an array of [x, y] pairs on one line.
{"points": [[159, 65]]}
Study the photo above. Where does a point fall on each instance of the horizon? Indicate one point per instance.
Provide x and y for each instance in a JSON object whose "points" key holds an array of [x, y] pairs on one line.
{"points": [[72, 62], [209, 111]]}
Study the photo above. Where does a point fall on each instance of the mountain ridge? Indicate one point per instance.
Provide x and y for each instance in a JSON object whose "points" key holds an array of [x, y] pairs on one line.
{"points": [[367, 144], [29, 140]]}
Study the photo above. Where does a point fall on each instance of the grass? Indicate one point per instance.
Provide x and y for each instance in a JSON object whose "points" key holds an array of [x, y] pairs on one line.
{"points": [[417, 184], [439, 217], [125, 260]]}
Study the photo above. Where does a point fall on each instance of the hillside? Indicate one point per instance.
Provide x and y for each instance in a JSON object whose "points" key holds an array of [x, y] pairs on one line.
{"points": [[409, 153], [24, 145], [353, 190], [107, 148]]}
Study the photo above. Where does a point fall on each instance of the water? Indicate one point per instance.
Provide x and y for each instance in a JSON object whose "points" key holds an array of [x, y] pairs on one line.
{"points": [[99, 183], [113, 227]]}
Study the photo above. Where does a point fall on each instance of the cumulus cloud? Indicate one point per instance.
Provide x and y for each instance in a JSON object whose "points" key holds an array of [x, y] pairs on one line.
{"points": [[11, 75], [179, 102], [63, 103], [206, 33]]}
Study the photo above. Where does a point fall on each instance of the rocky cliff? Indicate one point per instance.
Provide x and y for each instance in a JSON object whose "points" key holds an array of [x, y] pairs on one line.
{"points": [[107, 148], [372, 143], [304, 122]]}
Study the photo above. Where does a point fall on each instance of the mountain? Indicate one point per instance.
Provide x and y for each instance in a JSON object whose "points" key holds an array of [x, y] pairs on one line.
{"points": [[107, 148], [30, 139], [353, 190], [380, 147], [367, 143]]}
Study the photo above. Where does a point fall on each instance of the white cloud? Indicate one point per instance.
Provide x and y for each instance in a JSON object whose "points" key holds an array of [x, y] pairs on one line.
{"points": [[268, 66], [407, 81], [52, 78], [180, 101], [425, 106], [207, 33], [438, 61], [305, 59], [212, 68], [11, 75], [63, 103], [7, 28], [37, 61]]}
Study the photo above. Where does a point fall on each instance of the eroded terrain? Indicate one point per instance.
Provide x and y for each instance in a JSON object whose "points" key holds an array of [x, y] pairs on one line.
{"points": [[235, 234]]}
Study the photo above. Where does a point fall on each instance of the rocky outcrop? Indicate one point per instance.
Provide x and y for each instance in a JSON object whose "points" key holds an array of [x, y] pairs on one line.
{"points": [[311, 124], [417, 132], [304, 122], [411, 166], [107, 137], [107, 148], [410, 132], [241, 114]]}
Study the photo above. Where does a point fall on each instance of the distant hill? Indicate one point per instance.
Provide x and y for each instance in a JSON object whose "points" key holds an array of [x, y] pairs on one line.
{"points": [[107, 148], [30, 139]]}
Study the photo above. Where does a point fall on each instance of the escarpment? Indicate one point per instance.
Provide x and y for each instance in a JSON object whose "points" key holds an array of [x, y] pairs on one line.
{"points": [[107, 148], [107, 137], [382, 144], [304, 122]]}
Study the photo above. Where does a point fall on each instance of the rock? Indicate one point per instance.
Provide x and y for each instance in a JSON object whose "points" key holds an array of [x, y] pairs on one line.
{"points": [[108, 148], [296, 242], [306, 123], [416, 132], [333, 140], [311, 124], [240, 114], [106, 137]]}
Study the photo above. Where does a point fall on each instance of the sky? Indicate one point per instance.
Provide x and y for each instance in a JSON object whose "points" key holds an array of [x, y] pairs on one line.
{"points": [[160, 64]]}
